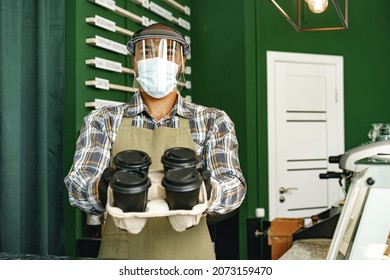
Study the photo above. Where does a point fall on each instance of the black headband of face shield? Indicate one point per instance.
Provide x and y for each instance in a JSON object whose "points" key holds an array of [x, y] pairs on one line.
{"points": [[169, 34]]}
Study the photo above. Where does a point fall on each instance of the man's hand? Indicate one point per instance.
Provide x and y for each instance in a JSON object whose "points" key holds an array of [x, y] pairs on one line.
{"points": [[103, 184]]}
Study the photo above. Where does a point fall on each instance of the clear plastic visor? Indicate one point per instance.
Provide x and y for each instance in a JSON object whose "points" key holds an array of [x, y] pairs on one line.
{"points": [[169, 50]]}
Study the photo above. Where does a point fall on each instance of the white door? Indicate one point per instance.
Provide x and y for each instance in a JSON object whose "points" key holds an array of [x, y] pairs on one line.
{"points": [[305, 127]]}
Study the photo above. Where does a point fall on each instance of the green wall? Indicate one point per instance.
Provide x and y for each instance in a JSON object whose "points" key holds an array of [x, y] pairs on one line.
{"points": [[224, 76], [365, 48], [230, 39]]}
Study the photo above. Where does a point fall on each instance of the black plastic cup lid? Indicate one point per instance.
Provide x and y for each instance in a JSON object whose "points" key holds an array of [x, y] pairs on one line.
{"points": [[129, 182], [182, 179], [179, 156], [132, 159]]}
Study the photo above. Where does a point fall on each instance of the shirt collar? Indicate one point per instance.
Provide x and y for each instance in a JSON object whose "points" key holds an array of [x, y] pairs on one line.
{"points": [[137, 106], [183, 109]]}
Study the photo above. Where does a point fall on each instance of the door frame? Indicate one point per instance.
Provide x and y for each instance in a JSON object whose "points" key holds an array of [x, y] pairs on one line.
{"points": [[272, 58]]}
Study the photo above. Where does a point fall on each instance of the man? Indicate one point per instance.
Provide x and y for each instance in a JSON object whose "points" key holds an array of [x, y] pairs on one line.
{"points": [[157, 118]]}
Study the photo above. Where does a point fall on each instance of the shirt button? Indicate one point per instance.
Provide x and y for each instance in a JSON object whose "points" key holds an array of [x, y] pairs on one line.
{"points": [[158, 124]]}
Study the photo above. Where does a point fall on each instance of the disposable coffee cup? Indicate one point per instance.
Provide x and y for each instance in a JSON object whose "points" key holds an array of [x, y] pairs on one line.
{"points": [[133, 160], [179, 157], [130, 190], [182, 186]]}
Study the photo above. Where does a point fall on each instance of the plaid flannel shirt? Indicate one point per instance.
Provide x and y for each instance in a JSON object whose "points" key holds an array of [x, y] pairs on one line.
{"points": [[213, 134]]}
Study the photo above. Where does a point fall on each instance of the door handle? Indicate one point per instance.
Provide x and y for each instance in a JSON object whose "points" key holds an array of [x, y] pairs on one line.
{"points": [[284, 190]]}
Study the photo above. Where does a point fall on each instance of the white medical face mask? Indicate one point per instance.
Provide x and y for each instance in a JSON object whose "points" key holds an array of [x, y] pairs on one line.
{"points": [[157, 76]]}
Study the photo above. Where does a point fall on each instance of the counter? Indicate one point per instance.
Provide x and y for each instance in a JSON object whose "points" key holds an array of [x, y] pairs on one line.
{"points": [[9, 256]]}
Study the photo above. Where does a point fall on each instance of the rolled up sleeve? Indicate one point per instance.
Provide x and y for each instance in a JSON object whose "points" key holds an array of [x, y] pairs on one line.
{"points": [[92, 156], [228, 183]]}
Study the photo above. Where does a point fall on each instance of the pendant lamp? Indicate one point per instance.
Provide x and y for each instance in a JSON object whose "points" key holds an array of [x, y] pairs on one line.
{"points": [[309, 11]]}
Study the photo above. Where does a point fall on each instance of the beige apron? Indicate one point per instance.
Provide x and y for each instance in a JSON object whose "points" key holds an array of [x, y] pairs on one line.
{"points": [[157, 240]]}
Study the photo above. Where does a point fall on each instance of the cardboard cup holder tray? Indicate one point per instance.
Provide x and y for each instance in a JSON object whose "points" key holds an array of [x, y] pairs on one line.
{"points": [[156, 206]]}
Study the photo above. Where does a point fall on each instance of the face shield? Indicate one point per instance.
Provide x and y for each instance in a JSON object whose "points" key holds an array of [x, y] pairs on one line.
{"points": [[158, 65], [168, 50], [158, 60]]}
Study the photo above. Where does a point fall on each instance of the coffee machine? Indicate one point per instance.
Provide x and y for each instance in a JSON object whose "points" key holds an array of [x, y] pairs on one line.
{"points": [[350, 163], [363, 228]]}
